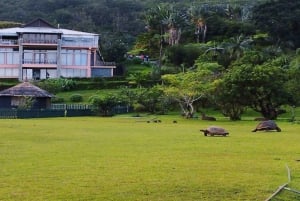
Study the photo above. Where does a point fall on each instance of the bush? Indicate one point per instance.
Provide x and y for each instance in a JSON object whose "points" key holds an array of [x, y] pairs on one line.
{"points": [[76, 98], [139, 108], [104, 105], [57, 85]]}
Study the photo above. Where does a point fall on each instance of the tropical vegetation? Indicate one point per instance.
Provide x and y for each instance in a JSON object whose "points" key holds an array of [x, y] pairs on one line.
{"points": [[229, 56], [237, 60]]}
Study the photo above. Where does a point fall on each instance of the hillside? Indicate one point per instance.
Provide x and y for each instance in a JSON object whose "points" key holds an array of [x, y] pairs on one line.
{"points": [[112, 19]]}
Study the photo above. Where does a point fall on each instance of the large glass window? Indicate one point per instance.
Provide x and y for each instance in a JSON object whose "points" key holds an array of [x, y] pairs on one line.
{"points": [[9, 56], [9, 72], [73, 72], [83, 41], [40, 56], [28, 56], [2, 56], [83, 57], [51, 56], [74, 57]]}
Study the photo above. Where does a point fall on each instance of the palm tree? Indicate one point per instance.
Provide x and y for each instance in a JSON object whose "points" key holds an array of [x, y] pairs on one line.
{"points": [[166, 24], [237, 45], [198, 21]]}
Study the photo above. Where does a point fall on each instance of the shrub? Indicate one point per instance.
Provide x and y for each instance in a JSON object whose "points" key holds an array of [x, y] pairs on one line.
{"points": [[104, 105], [57, 85], [139, 108], [76, 98]]}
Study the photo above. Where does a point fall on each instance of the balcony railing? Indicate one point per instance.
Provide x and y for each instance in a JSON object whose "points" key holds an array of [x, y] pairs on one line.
{"points": [[102, 63], [39, 41], [78, 44], [46, 61], [8, 42]]}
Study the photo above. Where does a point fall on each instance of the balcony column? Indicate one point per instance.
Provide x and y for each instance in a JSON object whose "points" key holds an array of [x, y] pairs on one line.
{"points": [[20, 74], [89, 68], [58, 59]]}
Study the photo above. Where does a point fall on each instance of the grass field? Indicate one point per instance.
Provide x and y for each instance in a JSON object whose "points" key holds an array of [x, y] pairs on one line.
{"points": [[126, 159]]}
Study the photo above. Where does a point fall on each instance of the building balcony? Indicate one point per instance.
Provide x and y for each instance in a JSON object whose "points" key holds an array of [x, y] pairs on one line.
{"points": [[36, 41], [107, 63], [104, 64], [45, 61], [40, 43], [8, 42], [79, 44]]}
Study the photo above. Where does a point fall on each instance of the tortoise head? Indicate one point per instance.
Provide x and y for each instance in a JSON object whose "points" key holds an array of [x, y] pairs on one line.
{"points": [[205, 131]]}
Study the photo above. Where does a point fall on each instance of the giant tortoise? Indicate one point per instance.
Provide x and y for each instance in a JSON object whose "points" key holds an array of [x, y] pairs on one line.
{"points": [[268, 125], [214, 130]]}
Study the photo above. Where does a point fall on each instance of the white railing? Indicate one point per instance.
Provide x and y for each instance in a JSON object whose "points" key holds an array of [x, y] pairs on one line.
{"points": [[8, 42]]}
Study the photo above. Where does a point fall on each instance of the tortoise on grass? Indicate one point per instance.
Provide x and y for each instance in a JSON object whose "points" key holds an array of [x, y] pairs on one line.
{"points": [[214, 130], [268, 125]]}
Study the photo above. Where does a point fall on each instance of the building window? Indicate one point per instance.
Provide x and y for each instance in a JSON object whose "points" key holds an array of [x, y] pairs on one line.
{"points": [[74, 57], [40, 56], [9, 72], [8, 56], [70, 72]]}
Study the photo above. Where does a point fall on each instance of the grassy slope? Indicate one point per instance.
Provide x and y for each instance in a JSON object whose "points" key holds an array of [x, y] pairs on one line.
{"points": [[123, 158], [86, 94]]}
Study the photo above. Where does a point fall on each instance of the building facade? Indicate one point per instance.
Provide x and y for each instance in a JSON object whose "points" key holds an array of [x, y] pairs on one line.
{"points": [[39, 50]]}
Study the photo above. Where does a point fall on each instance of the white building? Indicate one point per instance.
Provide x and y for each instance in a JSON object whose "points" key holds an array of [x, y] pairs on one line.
{"points": [[39, 50]]}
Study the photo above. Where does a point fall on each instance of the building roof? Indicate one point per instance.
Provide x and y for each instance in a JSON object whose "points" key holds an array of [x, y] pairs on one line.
{"points": [[39, 23], [26, 89]]}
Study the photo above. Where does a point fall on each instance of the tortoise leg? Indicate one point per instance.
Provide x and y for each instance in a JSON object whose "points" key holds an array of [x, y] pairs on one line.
{"points": [[254, 130], [278, 129]]}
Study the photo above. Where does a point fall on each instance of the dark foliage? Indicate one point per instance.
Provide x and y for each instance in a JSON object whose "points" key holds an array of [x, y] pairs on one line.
{"points": [[280, 19]]}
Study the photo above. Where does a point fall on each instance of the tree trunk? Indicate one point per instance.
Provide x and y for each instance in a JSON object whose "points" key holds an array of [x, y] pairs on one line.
{"points": [[187, 109], [267, 110]]}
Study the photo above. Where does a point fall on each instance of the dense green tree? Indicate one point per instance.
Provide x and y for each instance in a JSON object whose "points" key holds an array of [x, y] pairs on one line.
{"points": [[260, 87], [280, 19], [128, 96], [114, 50], [138, 78], [184, 55], [236, 46], [293, 84], [227, 95], [104, 105], [189, 87], [152, 99]]}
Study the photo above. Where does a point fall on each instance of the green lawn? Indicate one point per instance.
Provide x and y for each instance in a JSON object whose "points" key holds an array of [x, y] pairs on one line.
{"points": [[125, 159]]}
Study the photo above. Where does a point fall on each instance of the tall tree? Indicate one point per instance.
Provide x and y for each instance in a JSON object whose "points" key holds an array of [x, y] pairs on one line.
{"points": [[261, 87], [197, 18], [165, 23], [189, 87]]}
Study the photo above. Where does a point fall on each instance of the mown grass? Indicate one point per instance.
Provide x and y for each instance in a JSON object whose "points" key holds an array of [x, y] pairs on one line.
{"points": [[125, 158]]}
